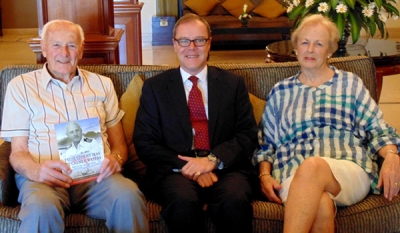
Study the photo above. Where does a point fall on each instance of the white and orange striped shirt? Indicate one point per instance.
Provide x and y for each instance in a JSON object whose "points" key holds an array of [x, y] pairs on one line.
{"points": [[35, 102]]}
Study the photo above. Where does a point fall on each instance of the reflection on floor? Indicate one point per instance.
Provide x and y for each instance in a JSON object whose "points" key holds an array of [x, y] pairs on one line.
{"points": [[14, 49]]}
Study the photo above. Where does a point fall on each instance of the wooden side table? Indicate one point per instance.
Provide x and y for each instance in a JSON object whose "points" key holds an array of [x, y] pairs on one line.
{"points": [[384, 53]]}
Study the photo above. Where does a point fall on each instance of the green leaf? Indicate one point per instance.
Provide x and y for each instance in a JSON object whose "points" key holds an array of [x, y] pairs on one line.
{"points": [[296, 11], [334, 3], [381, 28], [355, 28], [363, 2], [351, 3], [372, 27], [378, 3], [340, 24], [390, 8]]}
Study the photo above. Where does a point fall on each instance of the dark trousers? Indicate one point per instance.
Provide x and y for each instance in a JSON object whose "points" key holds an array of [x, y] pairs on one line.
{"points": [[228, 203]]}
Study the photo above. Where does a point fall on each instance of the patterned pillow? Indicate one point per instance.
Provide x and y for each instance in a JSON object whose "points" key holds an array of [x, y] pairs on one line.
{"points": [[201, 7], [129, 103], [270, 9], [258, 107], [235, 7]]}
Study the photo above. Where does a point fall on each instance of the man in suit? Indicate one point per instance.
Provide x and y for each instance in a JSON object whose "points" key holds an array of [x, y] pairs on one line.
{"points": [[197, 145]]}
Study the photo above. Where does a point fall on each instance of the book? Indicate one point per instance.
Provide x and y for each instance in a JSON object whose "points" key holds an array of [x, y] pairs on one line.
{"points": [[80, 145]]}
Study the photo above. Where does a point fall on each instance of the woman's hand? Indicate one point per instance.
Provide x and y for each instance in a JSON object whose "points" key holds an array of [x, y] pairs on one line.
{"points": [[389, 176], [269, 186]]}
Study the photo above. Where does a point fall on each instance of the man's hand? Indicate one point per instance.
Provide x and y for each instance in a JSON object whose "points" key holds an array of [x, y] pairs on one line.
{"points": [[51, 173], [109, 166], [389, 176], [196, 166], [268, 187], [206, 179]]}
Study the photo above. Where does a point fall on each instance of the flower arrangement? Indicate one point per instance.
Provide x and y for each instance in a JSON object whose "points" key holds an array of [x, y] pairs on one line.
{"points": [[355, 14], [244, 15]]}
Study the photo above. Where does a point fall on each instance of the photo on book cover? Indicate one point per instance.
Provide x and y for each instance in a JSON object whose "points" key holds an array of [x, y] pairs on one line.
{"points": [[80, 145]]}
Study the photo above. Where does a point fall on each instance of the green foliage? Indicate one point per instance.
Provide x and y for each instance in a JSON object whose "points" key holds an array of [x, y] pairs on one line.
{"points": [[355, 14]]}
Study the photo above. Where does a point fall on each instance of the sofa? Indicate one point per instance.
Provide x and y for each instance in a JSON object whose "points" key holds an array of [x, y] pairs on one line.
{"points": [[268, 25], [373, 215]]}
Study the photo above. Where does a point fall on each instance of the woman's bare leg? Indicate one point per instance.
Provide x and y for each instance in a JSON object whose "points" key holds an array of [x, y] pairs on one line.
{"points": [[307, 195]]}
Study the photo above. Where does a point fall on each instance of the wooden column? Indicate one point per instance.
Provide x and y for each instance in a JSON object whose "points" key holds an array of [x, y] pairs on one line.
{"points": [[127, 16], [96, 18]]}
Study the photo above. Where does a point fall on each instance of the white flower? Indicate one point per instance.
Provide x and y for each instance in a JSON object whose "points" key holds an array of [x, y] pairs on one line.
{"points": [[395, 17], [367, 12], [289, 8], [341, 8], [383, 15], [371, 5], [323, 7], [296, 2], [309, 3]]}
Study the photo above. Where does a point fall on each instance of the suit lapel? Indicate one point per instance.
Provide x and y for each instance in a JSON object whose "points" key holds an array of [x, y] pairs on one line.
{"points": [[178, 96], [214, 99]]}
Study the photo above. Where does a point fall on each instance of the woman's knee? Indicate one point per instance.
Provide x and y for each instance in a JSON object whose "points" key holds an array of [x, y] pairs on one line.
{"points": [[312, 166]]}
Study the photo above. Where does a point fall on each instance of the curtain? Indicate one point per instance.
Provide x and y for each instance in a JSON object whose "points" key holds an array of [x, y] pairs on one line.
{"points": [[167, 8]]}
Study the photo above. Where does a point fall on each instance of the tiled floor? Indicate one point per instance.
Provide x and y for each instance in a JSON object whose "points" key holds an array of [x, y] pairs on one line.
{"points": [[14, 49]]}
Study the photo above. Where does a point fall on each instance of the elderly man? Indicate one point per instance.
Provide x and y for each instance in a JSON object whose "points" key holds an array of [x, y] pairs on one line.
{"points": [[61, 92], [196, 132]]}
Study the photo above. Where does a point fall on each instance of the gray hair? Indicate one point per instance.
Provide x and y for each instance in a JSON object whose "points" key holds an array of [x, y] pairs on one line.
{"points": [[315, 20], [58, 22]]}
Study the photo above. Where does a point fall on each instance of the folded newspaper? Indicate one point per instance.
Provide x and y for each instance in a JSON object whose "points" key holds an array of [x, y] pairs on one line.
{"points": [[80, 146]]}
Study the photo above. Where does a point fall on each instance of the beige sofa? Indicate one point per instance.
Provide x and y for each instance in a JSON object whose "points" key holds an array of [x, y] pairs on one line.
{"points": [[373, 215]]}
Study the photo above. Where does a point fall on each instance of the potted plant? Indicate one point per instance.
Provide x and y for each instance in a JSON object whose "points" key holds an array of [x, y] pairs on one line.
{"points": [[350, 16]]}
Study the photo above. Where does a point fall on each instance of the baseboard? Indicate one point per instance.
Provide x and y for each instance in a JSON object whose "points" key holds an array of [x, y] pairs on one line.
{"points": [[20, 31]]}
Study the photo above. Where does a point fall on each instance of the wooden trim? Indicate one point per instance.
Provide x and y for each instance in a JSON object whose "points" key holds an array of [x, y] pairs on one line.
{"points": [[128, 15]]}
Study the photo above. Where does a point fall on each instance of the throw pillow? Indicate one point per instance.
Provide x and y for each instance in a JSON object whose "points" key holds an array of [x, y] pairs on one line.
{"points": [[129, 103], [203, 7], [235, 7], [258, 107], [270, 9]]}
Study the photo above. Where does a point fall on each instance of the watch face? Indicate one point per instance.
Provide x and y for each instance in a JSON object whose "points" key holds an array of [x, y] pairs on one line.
{"points": [[212, 158]]}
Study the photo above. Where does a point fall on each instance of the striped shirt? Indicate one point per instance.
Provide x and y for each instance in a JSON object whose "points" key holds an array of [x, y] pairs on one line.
{"points": [[337, 119], [35, 102]]}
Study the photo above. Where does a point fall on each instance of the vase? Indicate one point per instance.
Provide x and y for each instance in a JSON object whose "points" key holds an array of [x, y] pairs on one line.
{"points": [[342, 50], [245, 21]]}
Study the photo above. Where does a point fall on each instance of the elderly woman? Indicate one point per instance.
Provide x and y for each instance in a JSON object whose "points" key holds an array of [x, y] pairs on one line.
{"points": [[321, 135]]}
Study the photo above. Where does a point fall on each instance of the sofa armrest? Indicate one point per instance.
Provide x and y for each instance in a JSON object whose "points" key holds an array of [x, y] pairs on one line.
{"points": [[8, 187]]}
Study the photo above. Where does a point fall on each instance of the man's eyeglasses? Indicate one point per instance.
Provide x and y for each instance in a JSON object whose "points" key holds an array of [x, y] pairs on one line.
{"points": [[186, 42]]}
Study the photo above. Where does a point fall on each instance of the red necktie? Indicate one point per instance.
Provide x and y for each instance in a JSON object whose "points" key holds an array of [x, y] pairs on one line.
{"points": [[198, 117]]}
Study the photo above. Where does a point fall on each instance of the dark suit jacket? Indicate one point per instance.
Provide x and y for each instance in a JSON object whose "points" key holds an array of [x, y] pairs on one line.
{"points": [[163, 129]]}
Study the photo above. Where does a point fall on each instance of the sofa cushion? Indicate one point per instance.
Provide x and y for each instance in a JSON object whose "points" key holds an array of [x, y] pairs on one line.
{"points": [[270, 9], [235, 7], [129, 103], [203, 7], [258, 107]]}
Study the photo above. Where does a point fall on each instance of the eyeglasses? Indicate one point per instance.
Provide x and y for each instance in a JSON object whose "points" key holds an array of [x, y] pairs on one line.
{"points": [[186, 42]]}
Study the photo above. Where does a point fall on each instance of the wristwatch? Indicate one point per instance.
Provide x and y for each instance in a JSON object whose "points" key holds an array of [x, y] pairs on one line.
{"points": [[213, 158]]}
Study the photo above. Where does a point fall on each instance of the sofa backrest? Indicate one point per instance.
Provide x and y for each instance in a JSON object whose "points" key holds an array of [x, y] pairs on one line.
{"points": [[259, 77], [218, 9]]}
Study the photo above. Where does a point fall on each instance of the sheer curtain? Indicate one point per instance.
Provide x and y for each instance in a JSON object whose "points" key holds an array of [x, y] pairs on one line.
{"points": [[167, 8]]}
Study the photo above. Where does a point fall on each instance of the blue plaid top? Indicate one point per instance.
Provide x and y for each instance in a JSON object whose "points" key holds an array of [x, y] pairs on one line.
{"points": [[338, 119]]}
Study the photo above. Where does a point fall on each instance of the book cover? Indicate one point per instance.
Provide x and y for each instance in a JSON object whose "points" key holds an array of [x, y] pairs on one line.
{"points": [[80, 145]]}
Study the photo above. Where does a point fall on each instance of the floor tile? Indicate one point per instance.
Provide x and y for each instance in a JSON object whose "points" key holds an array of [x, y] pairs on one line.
{"points": [[391, 113], [390, 89]]}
